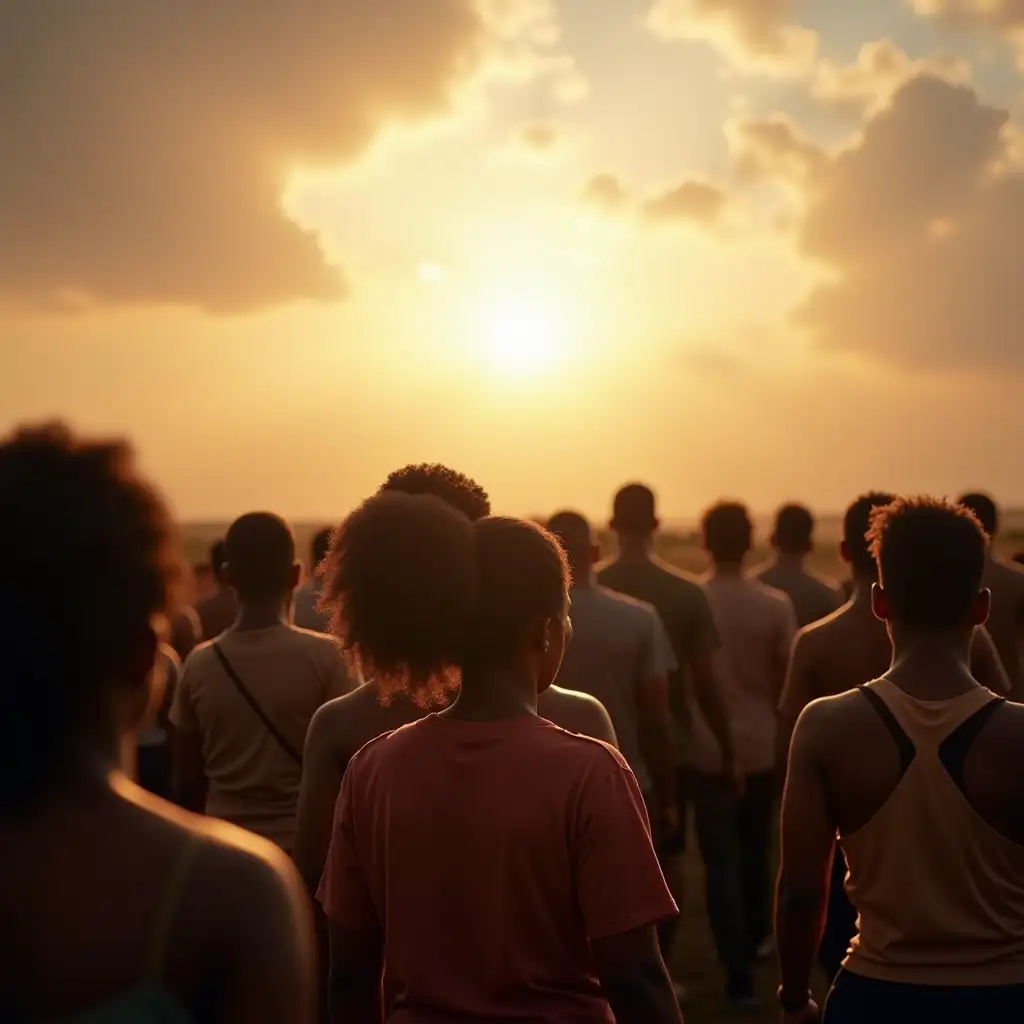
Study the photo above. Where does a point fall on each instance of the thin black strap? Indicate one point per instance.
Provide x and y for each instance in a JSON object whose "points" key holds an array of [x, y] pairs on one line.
{"points": [[903, 742], [953, 750], [254, 704]]}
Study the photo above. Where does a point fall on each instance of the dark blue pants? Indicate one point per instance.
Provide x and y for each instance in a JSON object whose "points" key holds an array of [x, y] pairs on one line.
{"points": [[856, 1000]]}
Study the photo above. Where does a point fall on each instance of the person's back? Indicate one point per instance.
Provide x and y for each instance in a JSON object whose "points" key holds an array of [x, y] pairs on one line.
{"points": [[117, 906], [518, 866], [930, 823], [245, 701]]}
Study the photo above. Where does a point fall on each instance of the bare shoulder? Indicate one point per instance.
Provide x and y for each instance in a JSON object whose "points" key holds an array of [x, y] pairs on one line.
{"points": [[825, 718]]}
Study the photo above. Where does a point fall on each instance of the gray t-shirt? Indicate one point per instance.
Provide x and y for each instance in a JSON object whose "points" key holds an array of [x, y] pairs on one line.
{"points": [[813, 596], [617, 644]]}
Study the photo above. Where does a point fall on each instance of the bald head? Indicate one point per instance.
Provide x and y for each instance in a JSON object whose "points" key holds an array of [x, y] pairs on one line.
{"points": [[576, 537]]}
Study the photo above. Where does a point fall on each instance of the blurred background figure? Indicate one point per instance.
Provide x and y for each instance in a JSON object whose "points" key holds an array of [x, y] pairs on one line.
{"points": [[1006, 581], [306, 612], [151, 914], [813, 596], [153, 763], [244, 702], [735, 824], [218, 609]]}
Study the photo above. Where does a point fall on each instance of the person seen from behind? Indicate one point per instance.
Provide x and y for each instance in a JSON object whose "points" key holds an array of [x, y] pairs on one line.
{"points": [[930, 823], [1006, 581], [152, 915], [621, 656], [217, 611], [682, 604], [244, 702], [504, 864], [813, 596], [757, 626], [306, 613]]}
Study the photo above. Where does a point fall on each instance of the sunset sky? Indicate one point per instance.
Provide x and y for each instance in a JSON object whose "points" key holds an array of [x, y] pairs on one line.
{"points": [[759, 248]]}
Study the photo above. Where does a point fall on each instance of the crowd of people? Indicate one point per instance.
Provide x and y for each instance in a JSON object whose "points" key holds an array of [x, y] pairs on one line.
{"points": [[451, 774]]}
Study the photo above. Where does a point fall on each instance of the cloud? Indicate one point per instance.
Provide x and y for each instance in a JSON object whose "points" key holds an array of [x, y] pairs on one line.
{"points": [[697, 202], [773, 148], [1003, 16], [880, 68], [540, 136], [147, 145], [757, 35], [606, 194], [917, 225]]}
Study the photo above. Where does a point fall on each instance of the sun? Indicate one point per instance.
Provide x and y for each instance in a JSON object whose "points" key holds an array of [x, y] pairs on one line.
{"points": [[521, 338]]}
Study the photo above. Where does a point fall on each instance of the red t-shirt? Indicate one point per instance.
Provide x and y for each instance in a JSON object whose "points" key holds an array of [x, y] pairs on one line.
{"points": [[490, 853]]}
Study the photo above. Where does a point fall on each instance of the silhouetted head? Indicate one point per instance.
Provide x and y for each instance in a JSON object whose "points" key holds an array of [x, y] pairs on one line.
{"points": [[634, 512], [318, 549], [931, 559], [421, 597], [439, 481], [856, 523], [573, 532], [794, 531], [218, 558], [261, 563], [985, 510], [88, 571], [1019, 558], [728, 533]]}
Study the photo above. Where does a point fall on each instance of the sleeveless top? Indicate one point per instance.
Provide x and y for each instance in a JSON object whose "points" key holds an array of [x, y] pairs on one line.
{"points": [[939, 893], [149, 1002]]}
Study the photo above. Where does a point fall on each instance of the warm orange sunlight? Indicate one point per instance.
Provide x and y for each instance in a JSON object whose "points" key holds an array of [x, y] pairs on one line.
{"points": [[522, 337]]}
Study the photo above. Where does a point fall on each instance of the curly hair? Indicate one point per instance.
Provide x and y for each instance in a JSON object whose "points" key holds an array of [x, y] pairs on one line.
{"points": [[856, 524], [417, 592], [88, 563], [449, 485], [931, 559]]}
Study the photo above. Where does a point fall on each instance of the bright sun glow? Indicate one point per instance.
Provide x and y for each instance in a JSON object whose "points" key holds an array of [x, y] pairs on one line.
{"points": [[522, 338]]}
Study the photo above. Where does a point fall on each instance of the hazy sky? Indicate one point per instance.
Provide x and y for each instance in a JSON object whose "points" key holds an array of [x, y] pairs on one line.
{"points": [[760, 248]]}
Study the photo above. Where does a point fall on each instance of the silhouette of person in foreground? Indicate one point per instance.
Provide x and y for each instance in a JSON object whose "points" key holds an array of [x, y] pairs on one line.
{"points": [[813, 596], [505, 864], [244, 702], [1006, 581], [931, 822], [151, 914], [840, 653], [218, 610], [306, 613], [682, 604]]}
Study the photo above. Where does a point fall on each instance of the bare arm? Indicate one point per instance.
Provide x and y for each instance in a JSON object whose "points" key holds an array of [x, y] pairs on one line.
{"points": [[808, 845], [602, 727], [634, 978], [270, 974], [357, 968], [797, 693]]}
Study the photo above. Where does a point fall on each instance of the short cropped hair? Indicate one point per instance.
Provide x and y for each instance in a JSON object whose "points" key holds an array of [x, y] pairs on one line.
{"points": [[728, 532], [634, 510], [794, 529], [260, 550], [451, 486], [319, 547], [90, 560], [985, 510], [931, 559], [856, 524], [573, 532]]}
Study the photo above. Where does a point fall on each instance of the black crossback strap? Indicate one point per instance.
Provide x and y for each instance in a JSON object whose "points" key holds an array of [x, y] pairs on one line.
{"points": [[254, 704], [957, 745], [903, 742]]}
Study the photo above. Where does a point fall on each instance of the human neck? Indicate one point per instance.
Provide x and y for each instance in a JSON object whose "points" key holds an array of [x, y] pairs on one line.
{"points": [[733, 569], [862, 589], [261, 614], [789, 560], [492, 694], [931, 664], [633, 548]]}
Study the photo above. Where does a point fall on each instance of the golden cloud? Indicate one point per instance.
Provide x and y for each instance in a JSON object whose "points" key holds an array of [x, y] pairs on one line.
{"points": [[147, 145], [698, 202], [606, 194], [757, 35]]}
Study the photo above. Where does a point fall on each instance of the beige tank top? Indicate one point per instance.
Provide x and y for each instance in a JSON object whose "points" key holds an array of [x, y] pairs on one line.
{"points": [[939, 893]]}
